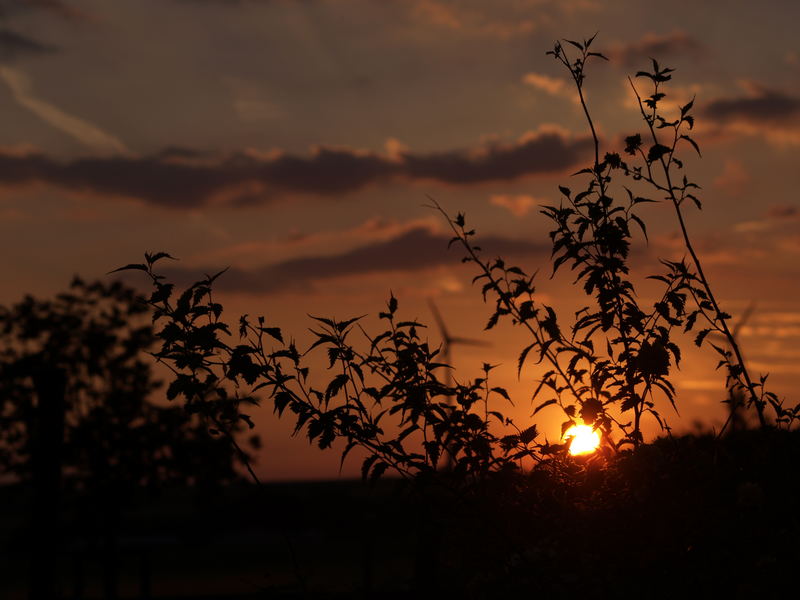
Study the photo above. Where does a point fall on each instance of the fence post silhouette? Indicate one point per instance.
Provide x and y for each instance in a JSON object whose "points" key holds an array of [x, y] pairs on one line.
{"points": [[48, 438]]}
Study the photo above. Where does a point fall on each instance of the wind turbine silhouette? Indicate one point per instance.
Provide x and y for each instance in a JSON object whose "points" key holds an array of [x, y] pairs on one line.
{"points": [[450, 340], [447, 342]]}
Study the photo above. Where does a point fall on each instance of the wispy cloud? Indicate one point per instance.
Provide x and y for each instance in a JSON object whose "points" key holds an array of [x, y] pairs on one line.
{"points": [[760, 105], [470, 20], [60, 8], [783, 211], [296, 243], [762, 111], [417, 249], [518, 205], [658, 46], [554, 86], [180, 178], [82, 131], [780, 222], [14, 45]]}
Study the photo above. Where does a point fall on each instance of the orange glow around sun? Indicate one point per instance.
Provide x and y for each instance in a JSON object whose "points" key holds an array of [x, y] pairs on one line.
{"points": [[582, 439]]}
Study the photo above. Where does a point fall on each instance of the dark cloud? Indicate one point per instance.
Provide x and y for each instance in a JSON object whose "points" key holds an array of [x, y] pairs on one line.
{"points": [[57, 7], [761, 106], [176, 178], [414, 250], [783, 211], [544, 152], [658, 46], [14, 45]]}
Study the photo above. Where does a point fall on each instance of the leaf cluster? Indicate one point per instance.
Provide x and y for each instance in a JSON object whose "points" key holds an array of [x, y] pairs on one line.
{"points": [[94, 335], [387, 394]]}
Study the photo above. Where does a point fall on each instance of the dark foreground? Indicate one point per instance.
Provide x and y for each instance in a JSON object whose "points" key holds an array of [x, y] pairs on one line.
{"points": [[680, 518]]}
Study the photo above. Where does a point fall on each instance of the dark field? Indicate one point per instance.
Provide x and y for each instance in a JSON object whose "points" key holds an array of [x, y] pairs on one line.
{"points": [[681, 517]]}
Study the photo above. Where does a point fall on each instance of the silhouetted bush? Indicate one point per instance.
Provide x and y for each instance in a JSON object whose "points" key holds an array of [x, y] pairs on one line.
{"points": [[80, 429]]}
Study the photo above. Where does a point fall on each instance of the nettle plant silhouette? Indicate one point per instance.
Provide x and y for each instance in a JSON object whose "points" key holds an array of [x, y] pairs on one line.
{"points": [[387, 395], [617, 355], [606, 370]]}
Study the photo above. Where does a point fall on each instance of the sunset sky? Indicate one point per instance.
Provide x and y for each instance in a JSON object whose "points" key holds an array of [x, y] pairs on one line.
{"points": [[296, 141]]}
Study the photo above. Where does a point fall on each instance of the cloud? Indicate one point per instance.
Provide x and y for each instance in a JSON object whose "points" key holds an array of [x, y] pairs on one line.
{"points": [[469, 21], [14, 45], [547, 150], [414, 250], [80, 130], [518, 205], [658, 46], [552, 85], [783, 211], [296, 243], [779, 220], [761, 105], [764, 112], [182, 178], [56, 7], [734, 178]]}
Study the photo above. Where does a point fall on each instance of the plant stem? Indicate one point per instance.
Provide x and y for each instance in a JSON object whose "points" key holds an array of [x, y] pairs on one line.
{"points": [[599, 178], [700, 273]]}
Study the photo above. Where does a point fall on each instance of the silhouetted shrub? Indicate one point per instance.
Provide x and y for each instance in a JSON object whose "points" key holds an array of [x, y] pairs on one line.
{"points": [[96, 336]]}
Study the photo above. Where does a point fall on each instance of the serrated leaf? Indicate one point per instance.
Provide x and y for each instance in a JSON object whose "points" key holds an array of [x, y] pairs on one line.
{"points": [[273, 332], [335, 385], [526, 436], [130, 267], [544, 404], [701, 335], [502, 392], [522, 356], [641, 224], [692, 142], [152, 258]]}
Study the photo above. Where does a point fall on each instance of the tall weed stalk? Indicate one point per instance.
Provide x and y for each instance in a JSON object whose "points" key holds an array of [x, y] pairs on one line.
{"points": [[616, 359]]}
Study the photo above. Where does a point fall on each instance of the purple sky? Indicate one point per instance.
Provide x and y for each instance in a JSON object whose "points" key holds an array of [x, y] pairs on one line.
{"points": [[296, 140]]}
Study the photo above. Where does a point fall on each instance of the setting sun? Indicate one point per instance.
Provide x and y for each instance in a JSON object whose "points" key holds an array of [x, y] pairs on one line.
{"points": [[582, 439]]}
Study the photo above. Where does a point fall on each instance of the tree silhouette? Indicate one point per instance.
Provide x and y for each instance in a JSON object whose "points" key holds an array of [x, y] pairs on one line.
{"points": [[77, 416]]}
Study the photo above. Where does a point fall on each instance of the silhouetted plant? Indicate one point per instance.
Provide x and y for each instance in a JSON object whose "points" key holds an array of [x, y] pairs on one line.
{"points": [[617, 353], [97, 335], [607, 369], [385, 395], [77, 415]]}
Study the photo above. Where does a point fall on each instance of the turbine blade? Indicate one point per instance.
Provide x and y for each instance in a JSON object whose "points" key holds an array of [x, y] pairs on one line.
{"points": [[440, 322]]}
